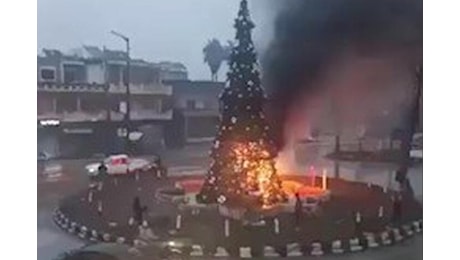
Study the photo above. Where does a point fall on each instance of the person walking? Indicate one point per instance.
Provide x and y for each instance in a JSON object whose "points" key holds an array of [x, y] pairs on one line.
{"points": [[397, 209], [298, 214], [160, 168], [138, 210], [102, 170]]}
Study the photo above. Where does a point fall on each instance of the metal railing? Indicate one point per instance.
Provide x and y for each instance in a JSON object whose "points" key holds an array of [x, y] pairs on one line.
{"points": [[84, 116], [152, 89], [155, 89]]}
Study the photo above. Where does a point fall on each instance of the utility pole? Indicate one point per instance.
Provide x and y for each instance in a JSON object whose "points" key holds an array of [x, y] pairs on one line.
{"points": [[127, 117], [107, 102]]}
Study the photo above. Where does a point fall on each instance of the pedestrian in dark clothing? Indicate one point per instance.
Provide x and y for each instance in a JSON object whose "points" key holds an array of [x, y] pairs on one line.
{"points": [[102, 170], [160, 168], [298, 211], [101, 174], [397, 209], [138, 210]]}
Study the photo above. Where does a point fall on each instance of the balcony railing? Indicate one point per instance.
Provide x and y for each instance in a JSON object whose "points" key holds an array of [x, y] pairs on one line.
{"points": [[146, 89], [83, 116], [143, 115], [153, 89], [74, 116], [74, 87]]}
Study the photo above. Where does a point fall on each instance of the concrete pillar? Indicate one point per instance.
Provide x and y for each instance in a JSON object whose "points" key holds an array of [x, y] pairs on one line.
{"points": [[159, 106], [277, 226], [227, 228], [185, 128], [178, 222], [122, 78], [78, 103], [54, 104], [336, 169]]}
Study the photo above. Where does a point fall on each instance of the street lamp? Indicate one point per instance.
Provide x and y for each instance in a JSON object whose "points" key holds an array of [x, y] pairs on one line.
{"points": [[127, 118]]}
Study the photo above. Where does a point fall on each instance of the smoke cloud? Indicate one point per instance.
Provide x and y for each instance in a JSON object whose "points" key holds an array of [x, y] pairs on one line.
{"points": [[346, 59]]}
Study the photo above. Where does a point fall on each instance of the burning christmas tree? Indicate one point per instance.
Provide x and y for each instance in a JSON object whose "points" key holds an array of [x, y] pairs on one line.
{"points": [[242, 171]]}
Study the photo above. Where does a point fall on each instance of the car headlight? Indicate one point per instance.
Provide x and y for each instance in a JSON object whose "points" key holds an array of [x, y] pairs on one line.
{"points": [[174, 244]]}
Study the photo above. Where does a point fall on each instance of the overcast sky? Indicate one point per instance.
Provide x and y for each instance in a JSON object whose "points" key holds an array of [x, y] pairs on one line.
{"points": [[173, 30]]}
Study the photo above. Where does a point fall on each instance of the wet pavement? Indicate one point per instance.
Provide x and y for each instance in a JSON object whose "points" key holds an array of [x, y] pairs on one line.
{"points": [[52, 241]]}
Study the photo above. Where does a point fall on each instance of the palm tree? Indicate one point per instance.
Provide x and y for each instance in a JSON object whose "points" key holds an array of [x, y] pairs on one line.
{"points": [[214, 55]]}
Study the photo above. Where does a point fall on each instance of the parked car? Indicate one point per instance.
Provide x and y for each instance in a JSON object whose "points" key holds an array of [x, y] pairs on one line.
{"points": [[44, 166], [121, 164], [416, 151], [43, 156], [52, 169]]}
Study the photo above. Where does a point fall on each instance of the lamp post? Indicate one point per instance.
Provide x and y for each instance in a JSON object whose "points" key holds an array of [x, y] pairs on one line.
{"points": [[127, 118]]}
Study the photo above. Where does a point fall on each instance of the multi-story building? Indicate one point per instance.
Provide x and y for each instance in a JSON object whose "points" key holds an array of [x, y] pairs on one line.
{"points": [[172, 71], [196, 111], [81, 97]]}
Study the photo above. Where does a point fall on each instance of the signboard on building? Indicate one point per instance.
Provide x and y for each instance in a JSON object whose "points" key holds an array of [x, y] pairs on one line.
{"points": [[50, 122]]}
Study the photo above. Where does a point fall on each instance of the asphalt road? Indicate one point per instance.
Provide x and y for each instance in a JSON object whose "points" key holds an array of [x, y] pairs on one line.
{"points": [[52, 241]]}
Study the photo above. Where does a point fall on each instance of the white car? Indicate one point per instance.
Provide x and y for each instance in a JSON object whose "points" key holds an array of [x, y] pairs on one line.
{"points": [[416, 151], [51, 171], [120, 164]]}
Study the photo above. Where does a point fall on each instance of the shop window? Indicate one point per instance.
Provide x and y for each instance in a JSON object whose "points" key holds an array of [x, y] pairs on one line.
{"points": [[48, 74]]}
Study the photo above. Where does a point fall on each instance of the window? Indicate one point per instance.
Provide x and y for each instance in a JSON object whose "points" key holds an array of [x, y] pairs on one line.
{"points": [[191, 104], [199, 105], [114, 74], [74, 73], [159, 105], [194, 104], [48, 74], [119, 161], [69, 75]]}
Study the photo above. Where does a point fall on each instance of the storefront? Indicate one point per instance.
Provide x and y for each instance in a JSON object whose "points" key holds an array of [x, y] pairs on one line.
{"points": [[47, 138], [89, 139], [78, 140], [191, 126]]}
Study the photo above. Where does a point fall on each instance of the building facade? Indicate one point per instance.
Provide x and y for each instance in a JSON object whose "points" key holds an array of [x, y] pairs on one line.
{"points": [[81, 101], [196, 111]]}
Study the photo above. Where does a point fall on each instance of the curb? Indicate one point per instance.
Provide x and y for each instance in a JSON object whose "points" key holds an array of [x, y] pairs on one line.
{"points": [[336, 247], [79, 230]]}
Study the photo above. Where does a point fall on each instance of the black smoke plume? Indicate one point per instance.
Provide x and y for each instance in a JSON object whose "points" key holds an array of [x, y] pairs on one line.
{"points": [[311, 35]]}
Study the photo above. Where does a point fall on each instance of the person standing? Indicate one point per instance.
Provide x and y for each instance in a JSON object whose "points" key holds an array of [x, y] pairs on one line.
{"points": [[397, 209], [298, 211], [160, 168], [102, 170], [138, 210], [96, 180]]}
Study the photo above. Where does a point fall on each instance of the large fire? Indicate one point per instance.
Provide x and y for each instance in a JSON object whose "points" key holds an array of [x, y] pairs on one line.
{"points": [[254, 161]]}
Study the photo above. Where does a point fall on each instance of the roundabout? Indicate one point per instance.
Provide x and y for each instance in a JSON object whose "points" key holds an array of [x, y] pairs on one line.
{"points": [[103, 213]]}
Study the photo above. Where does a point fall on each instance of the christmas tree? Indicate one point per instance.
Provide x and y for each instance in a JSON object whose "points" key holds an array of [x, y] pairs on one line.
{"points": [[242, 171]]}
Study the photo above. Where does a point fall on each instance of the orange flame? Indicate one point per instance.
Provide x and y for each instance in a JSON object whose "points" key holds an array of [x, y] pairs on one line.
{"points": [[253, 160]]}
